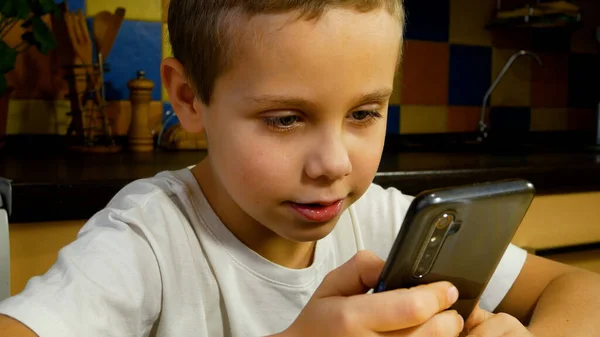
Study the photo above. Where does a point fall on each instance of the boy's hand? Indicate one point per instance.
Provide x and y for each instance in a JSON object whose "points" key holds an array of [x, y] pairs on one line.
{"points": [[482, 323], [341, 307]]}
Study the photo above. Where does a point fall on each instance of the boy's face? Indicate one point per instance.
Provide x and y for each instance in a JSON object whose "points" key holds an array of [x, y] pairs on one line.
{"points": [[301, 117]]}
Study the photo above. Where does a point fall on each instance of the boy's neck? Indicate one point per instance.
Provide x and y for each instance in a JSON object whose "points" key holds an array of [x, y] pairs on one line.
{"points": [[285, 253], [294, 255]]}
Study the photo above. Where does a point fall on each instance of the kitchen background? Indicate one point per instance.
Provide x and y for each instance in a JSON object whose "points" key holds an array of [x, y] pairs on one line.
{"points": [[450, 59]]}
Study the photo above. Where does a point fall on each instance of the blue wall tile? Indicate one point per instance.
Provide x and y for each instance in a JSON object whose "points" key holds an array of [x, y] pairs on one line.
{"points": [[73, 5], [137, 47], [169, 117], [584, 87], [427, 20], [393, 120], [470, 74]]}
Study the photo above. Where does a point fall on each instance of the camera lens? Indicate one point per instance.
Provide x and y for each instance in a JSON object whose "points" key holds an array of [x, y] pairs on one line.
{"points": [[444, 221], [435, 241], [421, 271]]}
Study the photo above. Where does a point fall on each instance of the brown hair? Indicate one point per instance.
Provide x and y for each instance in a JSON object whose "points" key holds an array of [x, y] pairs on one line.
{"points": [[201, 31]]}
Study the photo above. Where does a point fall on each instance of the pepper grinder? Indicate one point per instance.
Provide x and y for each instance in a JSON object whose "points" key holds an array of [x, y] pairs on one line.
{"points": [[598, 107], [140, 135]]}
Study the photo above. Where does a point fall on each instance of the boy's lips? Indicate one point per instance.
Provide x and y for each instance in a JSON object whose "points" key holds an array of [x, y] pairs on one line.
{"points": [[319, 211]]}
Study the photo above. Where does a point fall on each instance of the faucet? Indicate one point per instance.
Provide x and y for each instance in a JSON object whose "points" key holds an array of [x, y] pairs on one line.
{"points": [[483, 133]]}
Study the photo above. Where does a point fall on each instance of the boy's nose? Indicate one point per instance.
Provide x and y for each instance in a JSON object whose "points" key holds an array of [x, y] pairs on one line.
{"points": [[328, 159]]}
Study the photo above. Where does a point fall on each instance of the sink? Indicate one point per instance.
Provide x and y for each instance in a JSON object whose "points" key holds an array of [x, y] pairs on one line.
{"points": [[556, 142], [507, 148]]}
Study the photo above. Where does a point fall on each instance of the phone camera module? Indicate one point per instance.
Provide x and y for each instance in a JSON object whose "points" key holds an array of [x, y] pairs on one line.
{"points": [[444, 221], [441, 226], [434, 241], [421, 271]]}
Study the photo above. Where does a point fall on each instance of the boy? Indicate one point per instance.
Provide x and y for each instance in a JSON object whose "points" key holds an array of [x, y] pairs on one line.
{"points": [[279, 231]]}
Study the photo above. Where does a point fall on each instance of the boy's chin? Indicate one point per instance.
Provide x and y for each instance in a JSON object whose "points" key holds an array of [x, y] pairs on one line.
{"points": [[309, 232]]}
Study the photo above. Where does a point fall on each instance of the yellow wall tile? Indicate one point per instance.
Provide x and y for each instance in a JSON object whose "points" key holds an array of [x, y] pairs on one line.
{"points": [[38, 117], [548, 119], [423, 119], [515, 87], [166, 52], [166, 47], [467, 21], [149, 10]]}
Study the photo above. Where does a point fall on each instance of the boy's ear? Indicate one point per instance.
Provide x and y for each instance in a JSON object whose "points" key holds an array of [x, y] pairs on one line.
{"points": [[183, 100]]}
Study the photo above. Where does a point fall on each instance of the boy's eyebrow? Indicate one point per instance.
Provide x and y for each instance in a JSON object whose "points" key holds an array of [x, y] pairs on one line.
{"points": [[376, 96], [280, 100]]}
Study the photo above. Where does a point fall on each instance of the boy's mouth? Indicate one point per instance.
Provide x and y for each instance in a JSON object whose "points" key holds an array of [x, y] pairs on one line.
{"points": [[320, 211]]}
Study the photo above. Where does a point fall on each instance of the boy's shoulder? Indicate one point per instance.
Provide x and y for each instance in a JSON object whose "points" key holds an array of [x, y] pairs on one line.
{"points": [[130, 256], [379, 201], [149, 190], [380, 193], [153, 205]]}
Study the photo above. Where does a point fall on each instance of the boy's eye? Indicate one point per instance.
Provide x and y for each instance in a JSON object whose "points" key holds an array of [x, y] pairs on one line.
{"points": [[360, 115], [366, 115], [282, 122], [287, 120], [290, 122]]}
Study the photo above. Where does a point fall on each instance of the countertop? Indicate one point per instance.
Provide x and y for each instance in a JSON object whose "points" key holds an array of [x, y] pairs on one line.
{"points": [[69, 186]]}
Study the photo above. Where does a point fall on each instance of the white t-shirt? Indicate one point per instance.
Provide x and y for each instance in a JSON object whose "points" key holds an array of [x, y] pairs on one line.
{"points": [[157, 261]]}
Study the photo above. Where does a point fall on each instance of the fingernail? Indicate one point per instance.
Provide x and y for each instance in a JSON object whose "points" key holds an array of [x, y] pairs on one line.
{"points": [[452, 294]]}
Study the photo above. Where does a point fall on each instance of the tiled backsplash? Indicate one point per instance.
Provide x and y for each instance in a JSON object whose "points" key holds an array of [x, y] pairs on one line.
{"points": [[449, 61]]}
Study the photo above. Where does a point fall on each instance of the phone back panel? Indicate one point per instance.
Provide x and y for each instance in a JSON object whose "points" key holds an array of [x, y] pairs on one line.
{"points": [[486, 219]]}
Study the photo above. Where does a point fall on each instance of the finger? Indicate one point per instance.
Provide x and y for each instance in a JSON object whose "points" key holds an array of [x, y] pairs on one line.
{"points": [[356, 276], [402, 308], [445, 324], [498, 325], [477, 317]]}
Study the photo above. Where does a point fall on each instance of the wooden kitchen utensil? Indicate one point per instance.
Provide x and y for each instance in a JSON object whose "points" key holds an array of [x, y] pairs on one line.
{"points": [[59, 27], [80, 36], [102, 21], [83, 58], [111, 32], [75, 76], [91, 104]]}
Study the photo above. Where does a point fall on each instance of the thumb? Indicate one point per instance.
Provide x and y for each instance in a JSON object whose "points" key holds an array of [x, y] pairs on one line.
{"points": [[477, 317], [356, 276]]}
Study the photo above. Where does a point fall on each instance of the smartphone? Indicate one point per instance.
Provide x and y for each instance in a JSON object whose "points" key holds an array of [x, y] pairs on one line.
{"points": [[457, 234]]}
